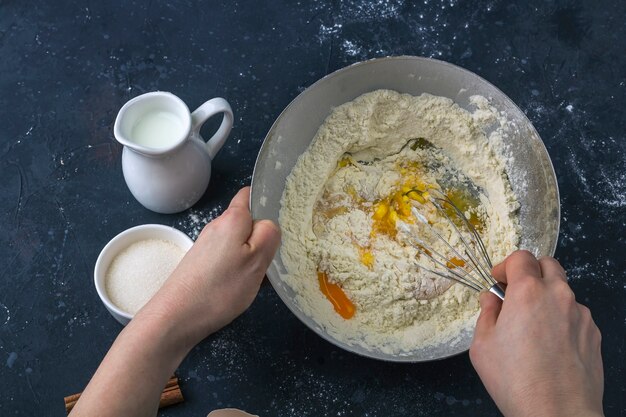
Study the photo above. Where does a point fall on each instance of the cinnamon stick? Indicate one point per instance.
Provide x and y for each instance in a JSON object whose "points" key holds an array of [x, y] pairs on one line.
{"points": [[171, 395]]}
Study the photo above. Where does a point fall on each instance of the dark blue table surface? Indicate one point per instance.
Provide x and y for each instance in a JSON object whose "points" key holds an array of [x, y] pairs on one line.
{"points": [[67, 67]]}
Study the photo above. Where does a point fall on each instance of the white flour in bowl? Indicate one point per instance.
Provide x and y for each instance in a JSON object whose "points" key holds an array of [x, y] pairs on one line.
{"points": [[346, 194]]}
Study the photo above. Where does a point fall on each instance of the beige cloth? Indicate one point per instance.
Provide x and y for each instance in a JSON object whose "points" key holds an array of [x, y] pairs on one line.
{"points": [[230, 412]]}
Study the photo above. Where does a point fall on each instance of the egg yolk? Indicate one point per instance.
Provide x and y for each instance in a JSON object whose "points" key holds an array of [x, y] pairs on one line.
{"points": [[366, 256], [454, 262], [397, 206], [341, 303]]}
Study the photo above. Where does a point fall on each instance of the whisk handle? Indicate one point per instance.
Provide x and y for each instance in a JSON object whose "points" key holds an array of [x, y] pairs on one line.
{"points": [[497, 290]]}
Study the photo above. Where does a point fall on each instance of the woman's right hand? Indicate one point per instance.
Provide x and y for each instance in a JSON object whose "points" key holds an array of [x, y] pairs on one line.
{"points": [[538, 352]]}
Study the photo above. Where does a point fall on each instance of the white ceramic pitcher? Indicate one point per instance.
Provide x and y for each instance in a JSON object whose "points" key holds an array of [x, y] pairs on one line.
{"points": [[165, 161]]}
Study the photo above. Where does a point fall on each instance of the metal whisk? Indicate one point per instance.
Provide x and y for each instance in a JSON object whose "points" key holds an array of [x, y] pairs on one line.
{"points": [[472, 266]]}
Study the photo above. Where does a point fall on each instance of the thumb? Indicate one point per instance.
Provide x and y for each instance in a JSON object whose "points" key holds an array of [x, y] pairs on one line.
{"points": [[265, 238], [490, 307]]}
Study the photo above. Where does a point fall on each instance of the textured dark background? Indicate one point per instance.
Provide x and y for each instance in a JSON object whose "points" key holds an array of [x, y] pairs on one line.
{"points": [[66, 67]]}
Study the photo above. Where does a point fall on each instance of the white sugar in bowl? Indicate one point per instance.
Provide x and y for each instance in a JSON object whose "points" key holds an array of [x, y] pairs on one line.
{"points": [[134, 264]]}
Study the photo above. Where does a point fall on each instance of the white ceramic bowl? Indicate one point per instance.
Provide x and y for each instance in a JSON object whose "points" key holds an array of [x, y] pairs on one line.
{"points": [[121, 242]]}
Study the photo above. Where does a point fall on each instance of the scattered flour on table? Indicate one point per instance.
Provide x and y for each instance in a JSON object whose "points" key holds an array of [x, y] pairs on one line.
{"points": [[366, 151], [138, 271], [195, 220]]}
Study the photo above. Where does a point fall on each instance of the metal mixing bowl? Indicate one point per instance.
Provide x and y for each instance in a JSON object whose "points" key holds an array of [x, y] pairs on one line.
{"points": [[296, 126]]}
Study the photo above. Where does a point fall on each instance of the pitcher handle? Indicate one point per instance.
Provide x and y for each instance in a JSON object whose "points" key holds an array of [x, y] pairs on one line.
{"points": [[204, 113]]}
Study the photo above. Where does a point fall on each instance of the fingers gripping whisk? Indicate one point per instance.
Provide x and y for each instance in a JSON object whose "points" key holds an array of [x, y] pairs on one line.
{"points": [[467, 261]]}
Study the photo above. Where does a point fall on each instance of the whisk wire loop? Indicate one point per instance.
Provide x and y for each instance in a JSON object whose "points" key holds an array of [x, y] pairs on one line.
{"points": [[475, 272], [445, 260], [464, 278], [474, 260]]}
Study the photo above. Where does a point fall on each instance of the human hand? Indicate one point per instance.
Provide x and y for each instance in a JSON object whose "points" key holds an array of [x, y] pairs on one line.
{"points": [[219, 277], [538, 352], [215, 282]]}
